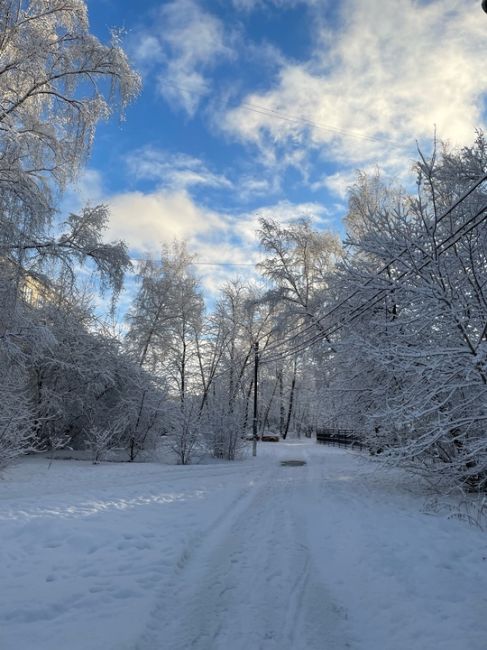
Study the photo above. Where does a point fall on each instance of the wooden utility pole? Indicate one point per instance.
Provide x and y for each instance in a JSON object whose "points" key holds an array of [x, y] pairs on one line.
{"points": [[254, 421]]}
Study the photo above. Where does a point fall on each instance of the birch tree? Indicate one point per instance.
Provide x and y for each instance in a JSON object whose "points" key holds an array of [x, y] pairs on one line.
{"points": [[241, 318], [57, 81], [164, 337], [414, 359], [299, 263]]}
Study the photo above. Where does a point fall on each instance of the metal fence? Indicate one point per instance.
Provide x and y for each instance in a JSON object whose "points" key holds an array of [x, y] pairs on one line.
{"points": [[339, 438]]}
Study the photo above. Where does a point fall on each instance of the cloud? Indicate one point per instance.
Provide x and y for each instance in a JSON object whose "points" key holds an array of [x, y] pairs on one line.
{"points": [[251, 5], [252, 187], [147, 50], [226, 245], [377, 82], [182, 172], [183, 44], [87, 190], [284, 212], [145, 221], [89, 187], [175, 171]]}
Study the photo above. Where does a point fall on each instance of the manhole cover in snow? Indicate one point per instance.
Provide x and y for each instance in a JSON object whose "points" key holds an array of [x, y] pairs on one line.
{"points": [[293, 463]]}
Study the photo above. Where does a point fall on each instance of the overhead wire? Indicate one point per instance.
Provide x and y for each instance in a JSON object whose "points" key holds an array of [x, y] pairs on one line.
{"points": [[466, 227], [203, 263], [370, 302], [366, 306], [270, 112], [386, 266], [377, 297]]}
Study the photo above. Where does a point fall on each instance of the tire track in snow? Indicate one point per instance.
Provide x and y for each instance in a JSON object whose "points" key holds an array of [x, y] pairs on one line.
{"points": [[248, 583], [203, 541]]}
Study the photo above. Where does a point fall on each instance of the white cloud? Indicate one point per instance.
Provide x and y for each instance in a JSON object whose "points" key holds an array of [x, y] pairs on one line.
{"points": [[182, 172], [226, 245], [186, 42], [90, 186], [250, 5], [377, 83], [145, 221], [246, 5], [175, 171], [223, 261], [87, 190], [147, 50], [251, 187], [284, 212]]}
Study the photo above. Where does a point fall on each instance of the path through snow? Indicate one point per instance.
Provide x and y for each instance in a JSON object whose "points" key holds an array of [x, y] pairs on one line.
{"points": [[252, 581], [331, 555]]}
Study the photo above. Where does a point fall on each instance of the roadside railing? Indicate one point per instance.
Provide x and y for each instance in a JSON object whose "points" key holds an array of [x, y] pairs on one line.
{"points": [[339, 438]]}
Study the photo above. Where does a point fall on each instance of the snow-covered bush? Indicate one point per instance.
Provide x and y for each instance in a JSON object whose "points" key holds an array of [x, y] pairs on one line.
{"points": [[184, 434], [99, 440], [17, 425]]}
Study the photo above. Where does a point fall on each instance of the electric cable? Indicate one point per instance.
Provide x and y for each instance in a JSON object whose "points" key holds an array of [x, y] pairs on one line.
{"points": [[358, 311], [385, 267]]}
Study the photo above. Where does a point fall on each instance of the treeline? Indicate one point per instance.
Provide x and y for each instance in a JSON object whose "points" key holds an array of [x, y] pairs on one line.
{"points": [[384, 334], [207, 360]]}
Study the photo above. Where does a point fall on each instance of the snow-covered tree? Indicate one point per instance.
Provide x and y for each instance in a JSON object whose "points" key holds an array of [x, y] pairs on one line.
{"points": [[166, 317], [300, 260], [411, 352], [240, 319], [56, 82], [16, 414], [164, 337]]}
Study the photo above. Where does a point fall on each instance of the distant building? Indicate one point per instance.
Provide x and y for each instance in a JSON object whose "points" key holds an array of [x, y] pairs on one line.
{"points": [[33, 288]]}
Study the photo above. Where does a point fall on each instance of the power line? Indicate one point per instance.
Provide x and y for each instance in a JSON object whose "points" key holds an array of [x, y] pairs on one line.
{"points": [[472, 223], [223, 264], [270, 112], [360, 310], [396, 258]]}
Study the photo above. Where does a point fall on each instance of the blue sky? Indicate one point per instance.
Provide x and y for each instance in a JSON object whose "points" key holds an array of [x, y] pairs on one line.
{"points": [[268, 107]]}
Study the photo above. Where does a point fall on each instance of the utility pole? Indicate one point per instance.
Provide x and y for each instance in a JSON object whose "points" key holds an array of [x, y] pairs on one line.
{"points": [[256, 376]]}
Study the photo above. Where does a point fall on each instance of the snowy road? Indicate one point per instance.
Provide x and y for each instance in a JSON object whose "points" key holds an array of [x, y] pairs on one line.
{"points": [[252, 581], [247, 556]]}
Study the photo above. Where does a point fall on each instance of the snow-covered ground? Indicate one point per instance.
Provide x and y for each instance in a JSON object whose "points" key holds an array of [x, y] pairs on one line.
{"points": [[244, 556]]}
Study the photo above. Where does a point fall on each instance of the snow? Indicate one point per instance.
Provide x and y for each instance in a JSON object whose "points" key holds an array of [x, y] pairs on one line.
{"points": [[251, 555]]}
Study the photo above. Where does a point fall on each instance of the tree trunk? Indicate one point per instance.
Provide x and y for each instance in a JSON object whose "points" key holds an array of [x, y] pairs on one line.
{"points": [[291, 401]]}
